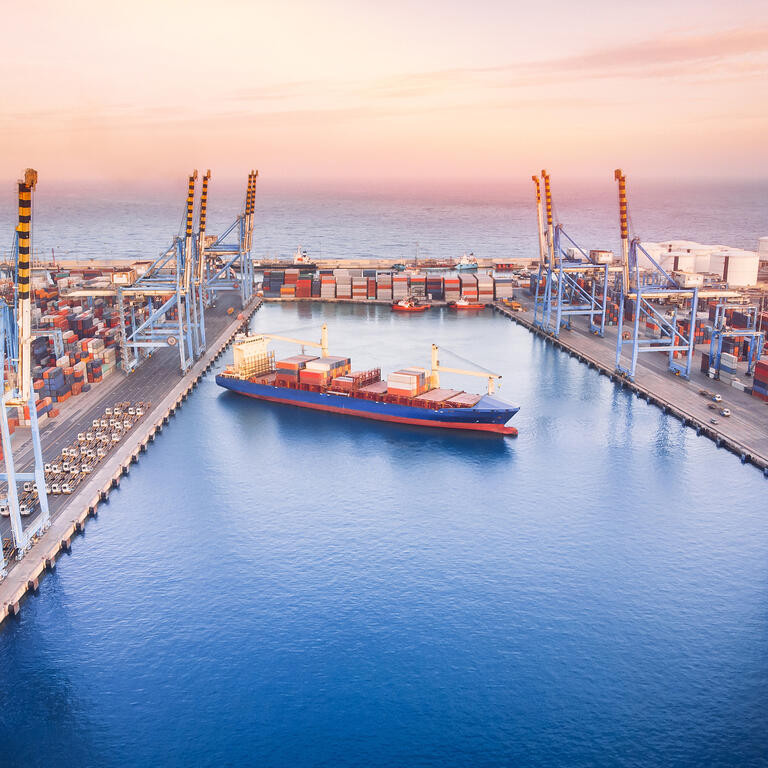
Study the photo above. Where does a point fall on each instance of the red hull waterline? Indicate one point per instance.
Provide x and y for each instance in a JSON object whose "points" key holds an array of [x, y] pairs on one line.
{"points": [[498, 429]]}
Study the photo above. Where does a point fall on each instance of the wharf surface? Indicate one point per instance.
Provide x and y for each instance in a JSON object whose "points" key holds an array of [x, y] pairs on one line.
{"points": [[159, 381], [744, 433]]}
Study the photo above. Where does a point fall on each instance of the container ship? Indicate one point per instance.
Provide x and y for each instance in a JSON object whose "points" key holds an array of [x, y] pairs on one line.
{"points": [[328, 383]]}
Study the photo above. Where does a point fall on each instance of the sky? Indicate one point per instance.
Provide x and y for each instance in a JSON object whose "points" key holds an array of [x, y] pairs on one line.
{"points": [[141, 92]]}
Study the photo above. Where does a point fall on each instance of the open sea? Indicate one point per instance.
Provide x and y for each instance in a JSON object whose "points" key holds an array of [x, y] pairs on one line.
{"points": [[278, 587]]}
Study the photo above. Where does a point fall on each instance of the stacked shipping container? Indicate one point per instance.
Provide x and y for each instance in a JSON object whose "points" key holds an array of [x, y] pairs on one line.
{"points": [[363, 285]]}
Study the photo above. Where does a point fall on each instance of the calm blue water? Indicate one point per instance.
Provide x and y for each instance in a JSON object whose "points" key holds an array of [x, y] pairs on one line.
{"points": [[387, 222], [277, 587]]}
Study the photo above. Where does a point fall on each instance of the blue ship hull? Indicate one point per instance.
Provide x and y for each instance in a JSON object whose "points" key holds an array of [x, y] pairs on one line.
{"points": [[488, 415]]}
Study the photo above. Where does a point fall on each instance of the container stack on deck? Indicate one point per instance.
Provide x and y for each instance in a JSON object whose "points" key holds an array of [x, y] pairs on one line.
{"points": [[322, 370], [407, 382]]}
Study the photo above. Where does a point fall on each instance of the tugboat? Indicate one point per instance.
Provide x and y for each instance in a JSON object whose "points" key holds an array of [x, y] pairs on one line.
{"points": [[411, 304], [465, 303]]}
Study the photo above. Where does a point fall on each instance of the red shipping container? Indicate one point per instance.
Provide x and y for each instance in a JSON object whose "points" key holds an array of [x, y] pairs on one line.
{"points": [[402, 392]]}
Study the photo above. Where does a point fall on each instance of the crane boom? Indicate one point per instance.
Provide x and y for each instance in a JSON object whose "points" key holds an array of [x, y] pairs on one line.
{"points": [[200, 271], [322, 345], [619, 176], [188, 231], [540, 219], [25, 313], [437, 369]]}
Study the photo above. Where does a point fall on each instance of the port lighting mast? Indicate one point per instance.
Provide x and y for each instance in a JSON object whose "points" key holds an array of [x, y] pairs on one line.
{"points": [[17, 392]]}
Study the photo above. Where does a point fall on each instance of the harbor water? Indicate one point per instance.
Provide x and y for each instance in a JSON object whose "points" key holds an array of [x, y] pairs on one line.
{"points": [[274, 586], [391, 221]]}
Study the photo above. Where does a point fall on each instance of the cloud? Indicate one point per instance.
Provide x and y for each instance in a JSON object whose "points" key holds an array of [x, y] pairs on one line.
{"points": [[740, 52]]}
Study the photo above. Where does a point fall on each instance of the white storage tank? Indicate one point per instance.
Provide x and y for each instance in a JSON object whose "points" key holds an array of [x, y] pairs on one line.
{"points": [[740, 269]]}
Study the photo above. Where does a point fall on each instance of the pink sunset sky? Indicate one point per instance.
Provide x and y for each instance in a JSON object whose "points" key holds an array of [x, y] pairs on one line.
{"points": [[385, 90]]}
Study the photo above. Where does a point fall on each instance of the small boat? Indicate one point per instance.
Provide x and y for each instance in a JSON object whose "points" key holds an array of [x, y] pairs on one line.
{"points": [[464, 303], [410, 304], [466, 263]]}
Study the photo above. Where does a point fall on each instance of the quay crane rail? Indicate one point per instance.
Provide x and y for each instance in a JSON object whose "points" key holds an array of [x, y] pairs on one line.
{"points": [[17, 389]]}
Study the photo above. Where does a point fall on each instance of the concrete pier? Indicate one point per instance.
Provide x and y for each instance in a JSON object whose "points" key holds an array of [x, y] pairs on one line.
{"points": [[69, 517], [744, 433]]}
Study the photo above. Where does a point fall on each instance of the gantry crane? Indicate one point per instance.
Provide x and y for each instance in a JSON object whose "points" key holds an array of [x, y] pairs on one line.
{"points": [[228, 266], [571, 282], [165, 306], [17, 392], [645, 289], [176, 316], [721, 331], [200, 289]]}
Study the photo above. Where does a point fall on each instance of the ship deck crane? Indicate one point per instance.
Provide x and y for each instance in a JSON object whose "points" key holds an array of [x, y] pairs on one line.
{"points": [[437, 369], [17, 389], [322, 345]]}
